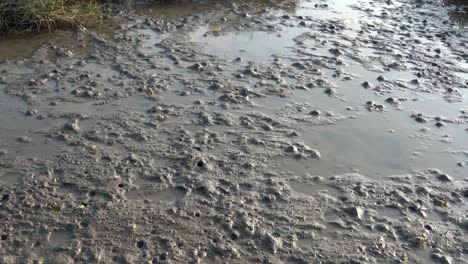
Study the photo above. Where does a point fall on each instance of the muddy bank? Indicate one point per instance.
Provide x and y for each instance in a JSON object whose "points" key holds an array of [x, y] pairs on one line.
{"points": [[276, 132]]}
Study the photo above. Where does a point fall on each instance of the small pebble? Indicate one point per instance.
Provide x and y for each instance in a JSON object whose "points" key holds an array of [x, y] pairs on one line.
{"points": [[439, 124], [330, 91], [315, 112], [420, 119], [291, 149], [366, 85], [31, 112], [444, 178]]}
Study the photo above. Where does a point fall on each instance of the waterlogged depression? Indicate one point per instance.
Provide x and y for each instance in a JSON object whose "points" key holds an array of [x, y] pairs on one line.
{"points": [[374, 144], [241, 132]]}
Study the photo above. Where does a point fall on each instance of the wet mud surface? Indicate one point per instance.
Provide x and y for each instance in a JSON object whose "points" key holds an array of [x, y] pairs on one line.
{"points": [[241, 132]]}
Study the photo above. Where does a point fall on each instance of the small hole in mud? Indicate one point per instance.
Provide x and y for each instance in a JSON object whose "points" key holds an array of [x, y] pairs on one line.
{"points": [[200, 163], [92, 193], [197, 214], [84, 204], [215, 240], [234, 236], [5, 197], [121, 185], [140, 244], [4, 237], [84, 223], [162, 257]]}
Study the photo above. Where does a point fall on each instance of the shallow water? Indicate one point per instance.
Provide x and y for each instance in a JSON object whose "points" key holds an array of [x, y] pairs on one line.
{"points": [[373, 143], [166, 196], [313, 189], [11, 178], [170, 9], [23, 45], [224, 130], [378, 144]]}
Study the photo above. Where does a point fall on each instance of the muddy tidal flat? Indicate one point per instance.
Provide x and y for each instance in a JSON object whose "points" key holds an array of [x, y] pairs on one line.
{"points": [[308, 131]]}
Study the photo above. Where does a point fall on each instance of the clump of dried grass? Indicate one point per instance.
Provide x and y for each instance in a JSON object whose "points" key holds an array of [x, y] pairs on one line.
{"points": [[24, 15]]}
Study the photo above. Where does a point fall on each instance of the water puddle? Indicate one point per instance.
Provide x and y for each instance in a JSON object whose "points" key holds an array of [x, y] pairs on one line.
{"points": [[35, 146], [249, 45], [68, 190], [376, 143], [245, 187], [147, 181], [368, 135], [384, 149], [132, 103], [305, 242], [169, 9], [313, 189], [170, 195], [434, 216], [389, 212], [23, 135], [339, 10], [13, 114], [61, 237], [463, 75], [23, 45], [11, 178], [388, 143]]}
